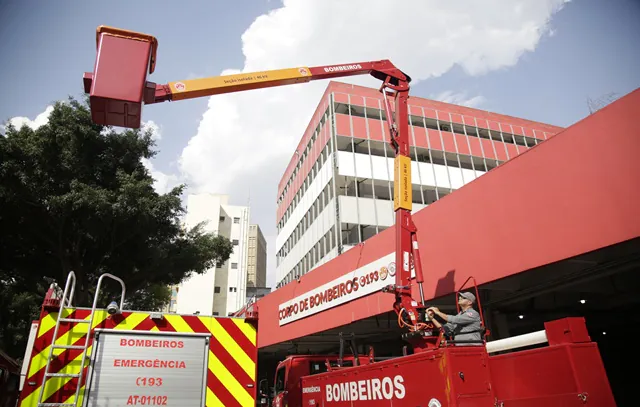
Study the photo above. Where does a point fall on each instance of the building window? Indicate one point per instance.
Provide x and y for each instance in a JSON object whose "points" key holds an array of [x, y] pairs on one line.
{"points": [[222, 218], [215, 313], [234, 265], [236, 220], [216, 290], [236, 242], [233, 289]]}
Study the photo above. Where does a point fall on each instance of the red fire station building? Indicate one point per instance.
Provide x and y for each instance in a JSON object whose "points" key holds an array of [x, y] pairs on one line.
{"points": [[544, 218]]}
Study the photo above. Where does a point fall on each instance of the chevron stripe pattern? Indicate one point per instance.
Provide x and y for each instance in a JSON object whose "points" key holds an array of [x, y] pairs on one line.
{"points": [[231, 362]]}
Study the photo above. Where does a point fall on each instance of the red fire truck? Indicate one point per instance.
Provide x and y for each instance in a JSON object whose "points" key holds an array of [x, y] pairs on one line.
{"points": [[111, 357], [567, 372]]}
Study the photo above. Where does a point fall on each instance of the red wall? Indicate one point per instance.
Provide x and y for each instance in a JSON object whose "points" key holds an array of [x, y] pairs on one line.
{"points": [[575, 193]]}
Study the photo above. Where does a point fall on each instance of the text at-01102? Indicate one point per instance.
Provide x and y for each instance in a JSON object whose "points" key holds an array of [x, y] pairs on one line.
{"points": [[148, 369]]}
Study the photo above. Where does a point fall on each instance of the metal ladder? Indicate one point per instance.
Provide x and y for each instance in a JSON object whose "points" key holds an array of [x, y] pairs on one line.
{"points": [[66, 301]]}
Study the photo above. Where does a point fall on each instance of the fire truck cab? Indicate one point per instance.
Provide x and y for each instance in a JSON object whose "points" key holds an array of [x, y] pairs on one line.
{"points": [[287, 388]]}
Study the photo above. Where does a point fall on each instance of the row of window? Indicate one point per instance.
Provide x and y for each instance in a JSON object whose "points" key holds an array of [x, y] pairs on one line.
{"points": [[307, 220], [351, 235], [366, 188], [315, 170], [383, 190], [312, 257], [216, 289], [420, 153], [234, 266], [235, 220], [304, 154], [502, 135]]}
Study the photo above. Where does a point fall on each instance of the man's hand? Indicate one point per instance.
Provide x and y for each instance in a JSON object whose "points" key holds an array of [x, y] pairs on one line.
{"points": [[435, 310]]}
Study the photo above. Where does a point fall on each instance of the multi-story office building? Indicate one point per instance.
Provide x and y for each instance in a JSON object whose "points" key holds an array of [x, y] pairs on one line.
{"points": [[220, 290], [256, 258], [337, 190]]}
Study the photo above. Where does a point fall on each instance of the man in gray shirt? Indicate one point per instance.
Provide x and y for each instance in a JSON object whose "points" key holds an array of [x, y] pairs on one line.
{"points": [[465, 325]]}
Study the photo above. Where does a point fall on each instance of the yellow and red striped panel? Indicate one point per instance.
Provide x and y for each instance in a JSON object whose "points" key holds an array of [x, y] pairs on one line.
{"points": [[232, 354]]}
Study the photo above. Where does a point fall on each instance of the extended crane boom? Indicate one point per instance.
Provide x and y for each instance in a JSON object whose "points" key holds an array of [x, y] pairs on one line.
{"points": [[118, 88]]}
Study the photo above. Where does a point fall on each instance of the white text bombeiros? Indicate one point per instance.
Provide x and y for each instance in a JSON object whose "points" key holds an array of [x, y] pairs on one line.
{"points": [[342, 68], [369, 389]]}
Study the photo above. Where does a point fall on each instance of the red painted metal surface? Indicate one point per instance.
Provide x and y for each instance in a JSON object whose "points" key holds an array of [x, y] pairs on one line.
{"points": [[455, 377], [539, 377], [569, 195], [568, 373], [567, 330], [119, 78], [560, 375]]}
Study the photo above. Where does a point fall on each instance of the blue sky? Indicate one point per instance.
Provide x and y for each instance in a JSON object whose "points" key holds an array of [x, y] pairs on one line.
{"points": [[589, 49]]}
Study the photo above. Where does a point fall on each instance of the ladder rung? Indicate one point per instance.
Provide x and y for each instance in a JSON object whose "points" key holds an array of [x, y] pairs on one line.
{"points": [[79, 321], [56, 405], [79, 347], [63, 375]]}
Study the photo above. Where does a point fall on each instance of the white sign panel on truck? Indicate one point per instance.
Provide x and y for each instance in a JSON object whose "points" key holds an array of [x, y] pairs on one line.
{"points": [[148, 369]]}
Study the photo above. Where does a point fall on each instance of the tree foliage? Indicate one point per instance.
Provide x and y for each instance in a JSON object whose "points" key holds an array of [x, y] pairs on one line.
{"points": [[75, 196]]}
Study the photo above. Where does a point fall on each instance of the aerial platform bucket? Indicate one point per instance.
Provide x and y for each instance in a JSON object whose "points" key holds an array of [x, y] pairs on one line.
{"points": [[118, 86]]}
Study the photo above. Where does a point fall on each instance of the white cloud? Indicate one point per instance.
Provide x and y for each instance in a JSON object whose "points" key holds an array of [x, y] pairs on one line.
{"points": [[156, 129], [163, 183], [245, 140], [19, 121], [459, 98]]}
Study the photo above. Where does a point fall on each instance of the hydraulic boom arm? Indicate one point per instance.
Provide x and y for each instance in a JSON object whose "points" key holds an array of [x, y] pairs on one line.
{"points": [[118, 88], [195, 88]]}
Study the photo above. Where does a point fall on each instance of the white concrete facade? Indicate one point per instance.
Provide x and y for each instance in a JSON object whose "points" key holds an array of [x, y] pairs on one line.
{"points": [[347, 196], [220, 290]]}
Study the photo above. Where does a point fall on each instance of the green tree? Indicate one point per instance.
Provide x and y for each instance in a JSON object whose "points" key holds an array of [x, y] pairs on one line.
{"points": [[75, 196]]}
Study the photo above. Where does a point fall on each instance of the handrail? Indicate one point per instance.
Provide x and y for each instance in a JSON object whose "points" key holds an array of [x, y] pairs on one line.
{"points": [[73, 288], [475, 285], [95, 297]]}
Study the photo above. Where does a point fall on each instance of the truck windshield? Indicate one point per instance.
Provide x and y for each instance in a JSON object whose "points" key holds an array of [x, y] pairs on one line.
{"points": [[280, 380]]}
